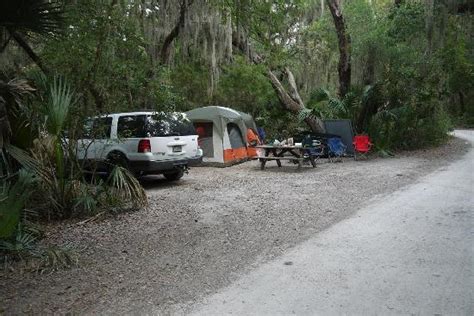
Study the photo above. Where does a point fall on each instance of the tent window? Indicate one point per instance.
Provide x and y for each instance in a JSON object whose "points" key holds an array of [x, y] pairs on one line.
{"points": [[235, 136], [205, 140]]}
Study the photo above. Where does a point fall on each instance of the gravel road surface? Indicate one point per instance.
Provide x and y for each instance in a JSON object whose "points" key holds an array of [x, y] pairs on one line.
{"points": [[204, 232], [410, 253]]}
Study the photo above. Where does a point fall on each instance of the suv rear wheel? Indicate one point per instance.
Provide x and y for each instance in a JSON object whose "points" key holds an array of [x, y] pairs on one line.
{"points": [[175, 175], [116, 159]]}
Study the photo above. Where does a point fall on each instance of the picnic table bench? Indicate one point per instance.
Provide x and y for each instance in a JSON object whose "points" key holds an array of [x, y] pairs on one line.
{"points": [[277, 153]]}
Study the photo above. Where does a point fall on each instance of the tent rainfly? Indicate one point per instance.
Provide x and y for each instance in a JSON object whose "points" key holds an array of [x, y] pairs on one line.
{"points": [[222, 134]]}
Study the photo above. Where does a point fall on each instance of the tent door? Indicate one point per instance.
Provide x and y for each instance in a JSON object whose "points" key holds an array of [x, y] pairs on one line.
{"points": [[205, 141], [235, 136]]}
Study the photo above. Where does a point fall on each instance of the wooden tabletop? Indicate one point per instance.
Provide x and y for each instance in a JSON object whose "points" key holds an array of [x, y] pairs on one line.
{"points": [[279, 146]]}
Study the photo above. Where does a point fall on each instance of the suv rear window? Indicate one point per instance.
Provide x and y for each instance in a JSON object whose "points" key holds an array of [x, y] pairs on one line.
{"points": [[169, 124], [131, 126], [97, 128], [156, 125]]}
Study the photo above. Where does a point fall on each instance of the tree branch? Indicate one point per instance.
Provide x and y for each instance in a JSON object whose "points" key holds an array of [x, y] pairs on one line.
{"points": [[291, 101], [166, 48], [24, 45], [294, 94]]}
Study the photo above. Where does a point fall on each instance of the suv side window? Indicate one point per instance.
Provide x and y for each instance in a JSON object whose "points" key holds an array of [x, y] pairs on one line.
{"points": [[131, 126], [97, 128]]}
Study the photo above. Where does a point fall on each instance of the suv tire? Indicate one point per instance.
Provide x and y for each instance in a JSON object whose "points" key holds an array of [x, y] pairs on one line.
{"points": [[116, 158], [175, 175]]}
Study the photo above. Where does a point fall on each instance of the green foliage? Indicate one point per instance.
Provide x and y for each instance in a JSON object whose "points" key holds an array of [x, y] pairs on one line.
{"points": [[105, 59], [125, 186], [61, 189], [13, 197], [24, 247], [23, 244], [245, 87], [410, 126], [192, 80], [327, 106], [57, 108]]}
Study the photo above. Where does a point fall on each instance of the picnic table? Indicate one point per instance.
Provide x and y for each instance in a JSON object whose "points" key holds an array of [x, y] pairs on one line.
{"points": [[277, 153]]}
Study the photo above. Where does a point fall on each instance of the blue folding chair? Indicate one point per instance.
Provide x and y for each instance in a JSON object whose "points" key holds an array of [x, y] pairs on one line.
{"points": [[337, 149]]}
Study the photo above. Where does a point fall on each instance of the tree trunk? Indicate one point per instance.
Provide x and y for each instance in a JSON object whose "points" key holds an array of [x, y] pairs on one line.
{"points": [[24, 45], [290, 100], [344, 42], [166, 48], [369, 70], [98, 98], [462, 103], [429, 24], [293, 102]]}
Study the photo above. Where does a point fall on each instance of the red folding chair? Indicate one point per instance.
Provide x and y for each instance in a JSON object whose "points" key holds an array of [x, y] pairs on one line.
{"points": [[362, 146]]}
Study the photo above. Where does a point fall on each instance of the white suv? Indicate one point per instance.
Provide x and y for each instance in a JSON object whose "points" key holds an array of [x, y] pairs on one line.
{"points": [[143, 142]]}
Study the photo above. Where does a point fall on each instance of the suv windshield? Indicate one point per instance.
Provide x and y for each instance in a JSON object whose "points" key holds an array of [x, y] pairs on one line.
{"points": [[156, 125]]}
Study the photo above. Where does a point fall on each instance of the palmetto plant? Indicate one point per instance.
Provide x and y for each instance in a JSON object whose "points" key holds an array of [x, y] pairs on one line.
{"points": [[52, 160], [328, 106], [23, 244], [20, 18], [13, 197], [125, 186], [11, 107]]}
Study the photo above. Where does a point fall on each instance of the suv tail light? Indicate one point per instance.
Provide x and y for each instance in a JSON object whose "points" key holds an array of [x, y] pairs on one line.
{"points": [[144, 146]]}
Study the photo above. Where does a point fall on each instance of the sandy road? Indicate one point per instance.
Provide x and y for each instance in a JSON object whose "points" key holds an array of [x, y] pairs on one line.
{"points": [[410, 252]]}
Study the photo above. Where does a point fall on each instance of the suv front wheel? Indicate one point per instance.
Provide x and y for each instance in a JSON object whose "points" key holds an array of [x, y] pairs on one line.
{"points": [[174, 175]]}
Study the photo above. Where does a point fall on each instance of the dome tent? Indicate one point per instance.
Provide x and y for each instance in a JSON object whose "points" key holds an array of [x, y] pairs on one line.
{"points": [[222, 134]]}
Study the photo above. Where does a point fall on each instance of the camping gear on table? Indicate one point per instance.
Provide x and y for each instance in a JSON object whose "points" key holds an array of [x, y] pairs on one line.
{"points": [[336, 149], [362, 146], [313, 148], [319, 137], [225, 134]]}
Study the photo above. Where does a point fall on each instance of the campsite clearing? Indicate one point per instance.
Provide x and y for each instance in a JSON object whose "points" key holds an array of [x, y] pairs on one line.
{"points": [[200, 234]]}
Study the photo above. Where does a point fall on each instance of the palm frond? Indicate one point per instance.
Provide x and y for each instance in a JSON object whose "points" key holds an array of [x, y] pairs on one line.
{"points": [[31, 164], [337, 107], [36, 16], [12, 202], [319, 95], [22, 244], [57, 108], [351, 100], [303, 114], [125, 185], [11, 94]]}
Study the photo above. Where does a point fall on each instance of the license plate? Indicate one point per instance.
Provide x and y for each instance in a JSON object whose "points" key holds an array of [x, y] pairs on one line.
{"points": [[176, 149]]}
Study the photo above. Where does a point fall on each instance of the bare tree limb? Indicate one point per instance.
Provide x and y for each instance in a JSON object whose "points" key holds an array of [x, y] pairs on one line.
{"points": [[292, 105], [293, 88], [290, 100]]}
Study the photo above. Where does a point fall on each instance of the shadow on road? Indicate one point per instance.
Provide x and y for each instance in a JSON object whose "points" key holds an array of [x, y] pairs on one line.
{"points": [[159, 182]]}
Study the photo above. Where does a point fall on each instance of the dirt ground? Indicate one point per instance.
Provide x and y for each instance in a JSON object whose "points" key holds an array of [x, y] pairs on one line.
{"points": [[201, 233]]}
